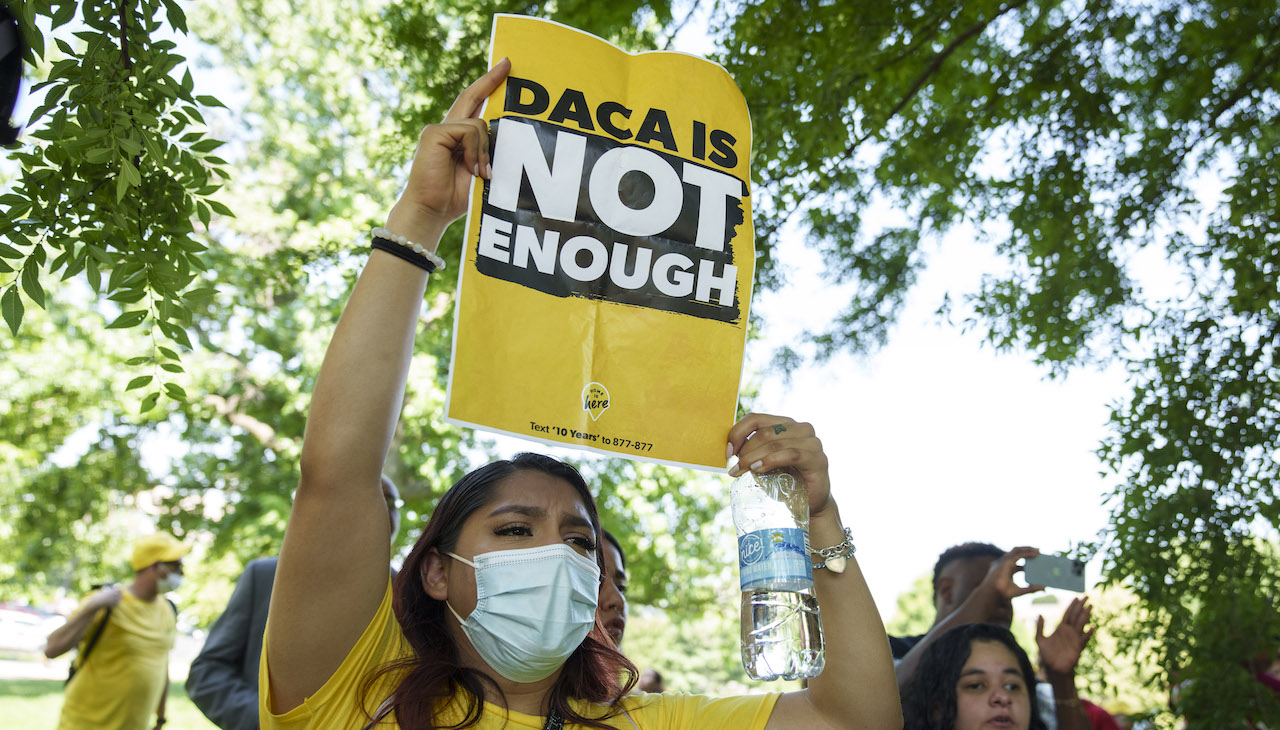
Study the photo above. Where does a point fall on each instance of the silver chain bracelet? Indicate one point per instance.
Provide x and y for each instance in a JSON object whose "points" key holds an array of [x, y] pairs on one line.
{"points": [[836, 557]]}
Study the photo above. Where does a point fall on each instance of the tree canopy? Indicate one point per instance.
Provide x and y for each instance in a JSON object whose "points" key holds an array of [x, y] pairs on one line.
{"points": [[318, 141], [1079, 137]]}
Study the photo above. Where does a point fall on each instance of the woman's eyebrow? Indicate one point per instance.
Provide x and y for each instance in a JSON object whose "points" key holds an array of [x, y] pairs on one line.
{"points": [[1007, 670], [520, 509], [569, 519]]}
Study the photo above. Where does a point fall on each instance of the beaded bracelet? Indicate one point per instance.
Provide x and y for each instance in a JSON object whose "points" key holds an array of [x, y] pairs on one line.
{"points": [[403, 248]]}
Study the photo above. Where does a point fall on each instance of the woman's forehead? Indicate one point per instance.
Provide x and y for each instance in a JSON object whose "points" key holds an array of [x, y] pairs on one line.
{"points": [[991, 655], [539, 490]]}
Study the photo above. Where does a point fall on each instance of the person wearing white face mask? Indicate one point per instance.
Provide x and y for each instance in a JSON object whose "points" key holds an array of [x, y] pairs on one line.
{"points": [[121, 673], [492, 620]]}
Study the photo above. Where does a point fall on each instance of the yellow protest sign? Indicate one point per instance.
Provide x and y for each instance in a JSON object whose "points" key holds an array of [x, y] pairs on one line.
{"points": [[606, 277]]}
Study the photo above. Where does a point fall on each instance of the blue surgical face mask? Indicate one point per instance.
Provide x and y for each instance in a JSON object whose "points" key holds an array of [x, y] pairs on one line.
{"points": [[534, 606]]}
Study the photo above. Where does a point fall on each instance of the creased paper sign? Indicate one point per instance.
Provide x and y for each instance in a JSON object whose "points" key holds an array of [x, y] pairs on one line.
{"points": [[607, 269]]}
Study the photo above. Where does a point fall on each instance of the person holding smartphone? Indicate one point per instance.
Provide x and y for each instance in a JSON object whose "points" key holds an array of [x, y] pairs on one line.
{"points": [[973, 583]]}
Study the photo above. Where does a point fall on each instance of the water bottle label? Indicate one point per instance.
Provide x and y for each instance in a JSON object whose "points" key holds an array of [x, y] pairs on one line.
{"points": [[777, 554]]}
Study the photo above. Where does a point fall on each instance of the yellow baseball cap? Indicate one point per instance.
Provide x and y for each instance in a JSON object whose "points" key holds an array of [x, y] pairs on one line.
{"points": [[158, 548]]}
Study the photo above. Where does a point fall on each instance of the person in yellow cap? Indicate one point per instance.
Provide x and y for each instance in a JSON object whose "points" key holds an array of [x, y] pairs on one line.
{"points": [[121, 673]]}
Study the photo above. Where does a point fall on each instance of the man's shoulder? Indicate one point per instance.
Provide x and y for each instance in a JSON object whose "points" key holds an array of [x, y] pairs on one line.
{"points": [[900, 645], [259, 566]]}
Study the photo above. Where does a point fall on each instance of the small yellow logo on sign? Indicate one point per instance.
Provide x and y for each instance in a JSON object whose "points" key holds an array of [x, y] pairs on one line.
{"points": [[595, 400]]}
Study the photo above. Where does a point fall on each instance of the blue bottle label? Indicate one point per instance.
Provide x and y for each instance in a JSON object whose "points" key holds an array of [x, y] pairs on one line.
{"points": [[776, 554]]}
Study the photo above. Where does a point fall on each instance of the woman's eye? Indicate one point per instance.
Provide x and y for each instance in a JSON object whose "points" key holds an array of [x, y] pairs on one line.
{"points": [[513, 530], [585, 543], [1013, 687], [975, 686]]}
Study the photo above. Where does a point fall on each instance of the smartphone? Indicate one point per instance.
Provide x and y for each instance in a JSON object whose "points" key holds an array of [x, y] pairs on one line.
{"points": [[1055, 571]]}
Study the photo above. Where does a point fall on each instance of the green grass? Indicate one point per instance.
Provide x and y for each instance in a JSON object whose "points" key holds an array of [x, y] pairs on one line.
{"points": [[33, 704]]}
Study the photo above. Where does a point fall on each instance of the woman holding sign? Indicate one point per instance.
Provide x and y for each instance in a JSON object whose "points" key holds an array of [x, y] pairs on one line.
{"points": [[491, 622]]}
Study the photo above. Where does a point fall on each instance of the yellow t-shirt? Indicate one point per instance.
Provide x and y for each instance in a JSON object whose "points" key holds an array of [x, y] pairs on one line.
{"points": [[120, 684], [338, 705]]}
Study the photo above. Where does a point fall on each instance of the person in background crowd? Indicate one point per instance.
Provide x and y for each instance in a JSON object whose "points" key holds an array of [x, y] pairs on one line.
{"points": [[223, 681], [651, 681], [122, 680], [973, 583], [1120, 711], [613, 596], [613, 606], [1263, 668], [1099, 718], [970, 677]]}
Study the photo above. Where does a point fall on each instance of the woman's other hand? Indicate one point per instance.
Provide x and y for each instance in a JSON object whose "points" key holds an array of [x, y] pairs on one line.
{"points": [[766, 443]]}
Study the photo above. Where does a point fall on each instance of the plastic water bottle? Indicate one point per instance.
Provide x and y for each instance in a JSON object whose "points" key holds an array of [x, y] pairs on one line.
{"points": [[781, 626]]}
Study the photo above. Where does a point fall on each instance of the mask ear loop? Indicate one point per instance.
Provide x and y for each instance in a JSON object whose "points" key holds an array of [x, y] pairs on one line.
{"points": [[455, 556], [455, 613]]}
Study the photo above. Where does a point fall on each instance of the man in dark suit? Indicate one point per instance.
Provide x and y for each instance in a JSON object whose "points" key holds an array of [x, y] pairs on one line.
{"points": [[223, 681]]}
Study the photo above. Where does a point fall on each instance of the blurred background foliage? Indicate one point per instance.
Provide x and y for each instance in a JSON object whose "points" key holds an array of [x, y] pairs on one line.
{"points": [[1078, 137]]}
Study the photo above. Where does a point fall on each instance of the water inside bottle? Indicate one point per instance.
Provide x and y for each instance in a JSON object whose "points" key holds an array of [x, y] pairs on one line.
{"points": [[781, 635]]}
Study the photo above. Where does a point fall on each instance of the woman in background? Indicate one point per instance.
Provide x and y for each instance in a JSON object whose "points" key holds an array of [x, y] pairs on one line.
{"points": [[974, 676]]}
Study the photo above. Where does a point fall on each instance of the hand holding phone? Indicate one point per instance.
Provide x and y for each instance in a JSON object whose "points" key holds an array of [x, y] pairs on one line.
{"points": [[1055, 571]]}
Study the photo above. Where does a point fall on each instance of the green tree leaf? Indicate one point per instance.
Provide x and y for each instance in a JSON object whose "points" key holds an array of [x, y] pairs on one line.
{"points": [[11, 306], [206, 145], [139, 381], [128, 319], [31, 282], [220, 209]]}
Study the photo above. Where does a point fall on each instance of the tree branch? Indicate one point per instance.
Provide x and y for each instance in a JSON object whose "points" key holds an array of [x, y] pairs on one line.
{"points": [[228, 408], [923, 35], [124, 36], [933, 67], [1245, 86], [680, 26]]}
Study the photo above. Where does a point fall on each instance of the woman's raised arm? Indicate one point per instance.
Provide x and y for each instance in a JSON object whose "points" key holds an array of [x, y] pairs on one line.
{"points": [[333, 565], [857, 688]]}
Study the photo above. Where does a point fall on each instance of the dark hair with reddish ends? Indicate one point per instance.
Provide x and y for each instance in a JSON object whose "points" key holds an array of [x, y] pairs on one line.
{"points": [[593, 672], [929, 700]]}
